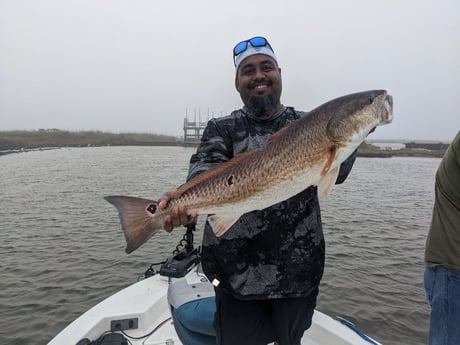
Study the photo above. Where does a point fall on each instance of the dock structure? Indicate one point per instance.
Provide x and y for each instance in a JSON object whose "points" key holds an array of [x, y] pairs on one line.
{"points": [[193, 129]]}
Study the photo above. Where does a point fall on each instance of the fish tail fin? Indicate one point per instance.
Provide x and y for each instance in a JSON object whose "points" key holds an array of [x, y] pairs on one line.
{"points": [[137, 219]]}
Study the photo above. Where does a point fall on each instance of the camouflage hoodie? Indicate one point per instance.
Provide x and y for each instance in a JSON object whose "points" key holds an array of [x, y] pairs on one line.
{"points": [[272, 253]]}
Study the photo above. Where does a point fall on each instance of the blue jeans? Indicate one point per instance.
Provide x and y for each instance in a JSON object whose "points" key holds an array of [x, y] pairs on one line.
{"points": [[442, 287]]}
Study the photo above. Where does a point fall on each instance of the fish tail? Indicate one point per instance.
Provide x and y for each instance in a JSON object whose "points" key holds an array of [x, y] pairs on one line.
{"points": [[137, 219]]}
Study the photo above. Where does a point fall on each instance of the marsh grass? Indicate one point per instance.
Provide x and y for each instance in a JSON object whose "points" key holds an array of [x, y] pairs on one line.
{"points": [[18, 140]]}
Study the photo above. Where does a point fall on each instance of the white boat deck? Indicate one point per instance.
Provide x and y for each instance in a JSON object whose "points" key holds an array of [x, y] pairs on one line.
{"points": [[147, 302]]}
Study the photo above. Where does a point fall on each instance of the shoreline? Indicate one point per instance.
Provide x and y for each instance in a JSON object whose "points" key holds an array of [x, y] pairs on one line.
{"points": [[366, 153], [41, 140]]}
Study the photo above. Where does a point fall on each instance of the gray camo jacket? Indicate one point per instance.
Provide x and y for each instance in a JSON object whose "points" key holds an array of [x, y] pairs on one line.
{"points": [[272, 253]]}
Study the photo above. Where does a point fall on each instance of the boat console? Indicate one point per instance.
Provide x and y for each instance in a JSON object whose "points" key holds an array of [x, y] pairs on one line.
{"points": [[192, 307]]}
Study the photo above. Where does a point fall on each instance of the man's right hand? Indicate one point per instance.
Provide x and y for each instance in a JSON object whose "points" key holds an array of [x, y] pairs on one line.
{"points": [[179, 215]]}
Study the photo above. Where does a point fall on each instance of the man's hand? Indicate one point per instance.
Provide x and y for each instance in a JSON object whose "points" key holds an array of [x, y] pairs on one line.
{"points": [[179, 216]]}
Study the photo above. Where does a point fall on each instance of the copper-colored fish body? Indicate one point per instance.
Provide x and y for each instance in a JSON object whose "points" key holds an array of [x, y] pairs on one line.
{"points": [[304, 153]]}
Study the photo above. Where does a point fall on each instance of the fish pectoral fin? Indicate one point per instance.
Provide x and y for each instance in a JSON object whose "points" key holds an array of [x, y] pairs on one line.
{"points": [[220, 224], [327, 182], [330, 159]]}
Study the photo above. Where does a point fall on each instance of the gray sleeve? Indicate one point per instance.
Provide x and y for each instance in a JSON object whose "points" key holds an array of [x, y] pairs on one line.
{"points": [[213, 150]]}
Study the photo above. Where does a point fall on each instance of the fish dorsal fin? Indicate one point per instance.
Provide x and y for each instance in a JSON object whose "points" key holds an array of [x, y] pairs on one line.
{"points": [[327, 182], [220, 224], [213, 172], [277, 134]]}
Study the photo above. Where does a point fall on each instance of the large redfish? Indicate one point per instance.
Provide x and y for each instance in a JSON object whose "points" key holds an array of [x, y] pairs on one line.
{"points": [[304, 153]]}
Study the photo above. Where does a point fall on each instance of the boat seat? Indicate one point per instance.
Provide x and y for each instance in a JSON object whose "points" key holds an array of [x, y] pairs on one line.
{"points": [[192, 308]]}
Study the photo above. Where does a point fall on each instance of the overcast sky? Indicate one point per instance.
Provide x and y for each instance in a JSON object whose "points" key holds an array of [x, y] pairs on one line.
{"points": [[141, 65]]}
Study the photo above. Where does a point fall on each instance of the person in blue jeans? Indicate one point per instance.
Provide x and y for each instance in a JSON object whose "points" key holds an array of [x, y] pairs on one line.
{"points": [[442, 252]]}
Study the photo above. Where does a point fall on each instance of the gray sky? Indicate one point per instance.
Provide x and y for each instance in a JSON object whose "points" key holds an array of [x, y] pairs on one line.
{"points": [[139, 65]]}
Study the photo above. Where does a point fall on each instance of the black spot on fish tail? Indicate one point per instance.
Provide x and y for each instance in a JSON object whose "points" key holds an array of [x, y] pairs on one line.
{"points": [[152, 208]]}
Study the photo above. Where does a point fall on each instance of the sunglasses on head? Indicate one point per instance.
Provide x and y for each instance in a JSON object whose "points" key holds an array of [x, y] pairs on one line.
{"points": [[255, 42]]}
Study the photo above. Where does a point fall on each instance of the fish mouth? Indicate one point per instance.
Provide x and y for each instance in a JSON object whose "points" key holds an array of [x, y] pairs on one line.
{"points": [[386, 111]]}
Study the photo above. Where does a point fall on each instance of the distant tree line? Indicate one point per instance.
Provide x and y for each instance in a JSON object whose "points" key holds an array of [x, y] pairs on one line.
{"points": [[427, 146], [17, 140]]}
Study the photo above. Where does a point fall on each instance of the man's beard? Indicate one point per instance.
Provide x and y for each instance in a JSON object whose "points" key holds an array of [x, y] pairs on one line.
{"points": [[262, 106]]}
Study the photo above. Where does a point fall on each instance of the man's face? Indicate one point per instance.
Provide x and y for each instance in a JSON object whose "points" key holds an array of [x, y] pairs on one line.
{"points": [[259, 83]]}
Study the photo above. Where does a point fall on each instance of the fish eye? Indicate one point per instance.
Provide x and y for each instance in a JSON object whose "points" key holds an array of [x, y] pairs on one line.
{"points": [[152, 208]]}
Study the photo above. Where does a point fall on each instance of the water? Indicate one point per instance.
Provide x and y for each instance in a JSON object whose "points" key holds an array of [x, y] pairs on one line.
{"points": [[63, 250], [389, 146]]}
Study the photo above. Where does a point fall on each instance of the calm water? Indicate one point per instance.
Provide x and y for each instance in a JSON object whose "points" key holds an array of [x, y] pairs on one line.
{"points": [[63, 250]]}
